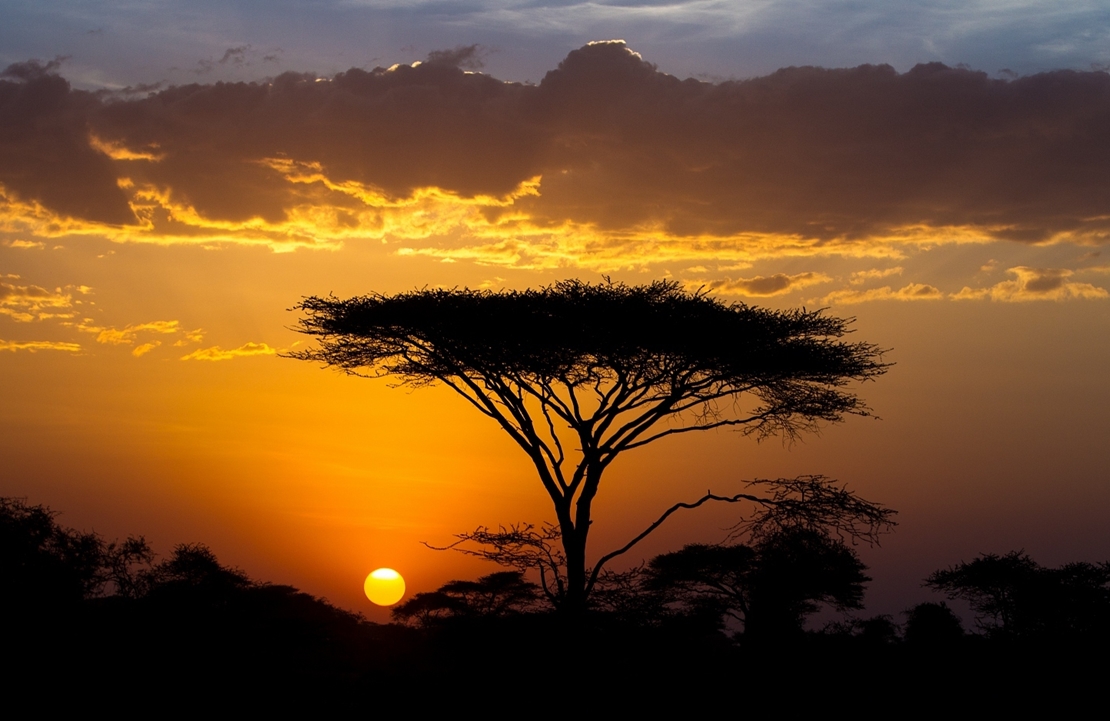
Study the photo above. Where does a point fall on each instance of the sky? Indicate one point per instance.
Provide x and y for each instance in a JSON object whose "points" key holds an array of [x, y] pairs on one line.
{"points": [[175, 178]]}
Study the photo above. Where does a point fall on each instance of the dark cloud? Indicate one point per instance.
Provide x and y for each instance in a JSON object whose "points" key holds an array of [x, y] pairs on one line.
{"points": [[235, 55], [33, 69], [828, 153], [1045, 280], [45, 154], [469, 57], [141, 88], [811, 152], [762, 286], [432, 125], [1032, 284]]}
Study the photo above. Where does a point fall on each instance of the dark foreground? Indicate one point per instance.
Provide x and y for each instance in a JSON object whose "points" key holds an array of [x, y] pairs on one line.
{"points": [[274, 648]]}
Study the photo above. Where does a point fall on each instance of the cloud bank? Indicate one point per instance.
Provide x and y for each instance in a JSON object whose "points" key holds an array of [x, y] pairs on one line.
{"points": [[606, 157]]}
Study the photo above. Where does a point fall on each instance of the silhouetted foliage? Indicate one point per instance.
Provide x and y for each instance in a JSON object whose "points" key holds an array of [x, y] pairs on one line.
{"points": [[627, 598], [43, 565], [522, 547], [193, 570], [769, 587], [492, 596], [811, 503], [706, 577], [933, 624], [872, 632], [124, 567], [1014, 596], [496, 594], [797, 571], [611, 367], [878, 630], [425, 609]]}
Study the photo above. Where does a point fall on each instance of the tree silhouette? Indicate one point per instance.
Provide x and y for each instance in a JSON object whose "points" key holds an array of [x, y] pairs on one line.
{"points": [[1014, 596], [933, 625], [44, 565], [491, 596], [577, 374], [193, 574], [770, 586]]}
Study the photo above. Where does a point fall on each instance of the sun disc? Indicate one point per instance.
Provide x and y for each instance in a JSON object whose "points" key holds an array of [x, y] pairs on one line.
{"points": [[384, 587]]}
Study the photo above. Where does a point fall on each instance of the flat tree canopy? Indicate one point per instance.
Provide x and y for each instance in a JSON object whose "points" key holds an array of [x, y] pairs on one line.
{"points": [[577, 373]]}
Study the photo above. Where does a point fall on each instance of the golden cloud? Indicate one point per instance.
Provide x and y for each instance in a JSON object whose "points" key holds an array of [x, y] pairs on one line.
{"points": [[862, 276], [544, 248], [1032, 284], [26, 303], [913, 291], [192, 336], [215, 353], [37, 345], [145, 348], [761, 286], [116, 151], [127, 335]]}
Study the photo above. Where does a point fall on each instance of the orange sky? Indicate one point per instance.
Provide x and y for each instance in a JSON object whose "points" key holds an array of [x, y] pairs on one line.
{"points": [[150, 247]]}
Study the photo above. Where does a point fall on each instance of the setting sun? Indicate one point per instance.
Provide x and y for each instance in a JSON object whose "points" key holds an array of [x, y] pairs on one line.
{"points": [[384, 587]]}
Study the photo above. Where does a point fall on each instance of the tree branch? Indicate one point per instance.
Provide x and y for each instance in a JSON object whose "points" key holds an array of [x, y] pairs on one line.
{"points": [[659, 521], [805, 501]]}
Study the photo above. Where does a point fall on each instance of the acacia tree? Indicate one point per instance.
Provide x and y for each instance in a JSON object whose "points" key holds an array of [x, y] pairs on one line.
{"points": [[577, 374], [769, 586]]}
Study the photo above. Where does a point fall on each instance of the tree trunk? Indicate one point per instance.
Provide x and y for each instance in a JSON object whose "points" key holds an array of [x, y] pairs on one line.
{"points": [[574, 546], [574, 543]]}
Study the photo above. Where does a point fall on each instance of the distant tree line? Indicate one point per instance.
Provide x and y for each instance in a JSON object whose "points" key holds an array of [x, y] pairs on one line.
{"points": [[87, 614]]}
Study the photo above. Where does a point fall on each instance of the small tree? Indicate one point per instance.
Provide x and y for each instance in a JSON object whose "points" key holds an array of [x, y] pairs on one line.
{"points": [[577, 374], [933, 624], [769, 586]]}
